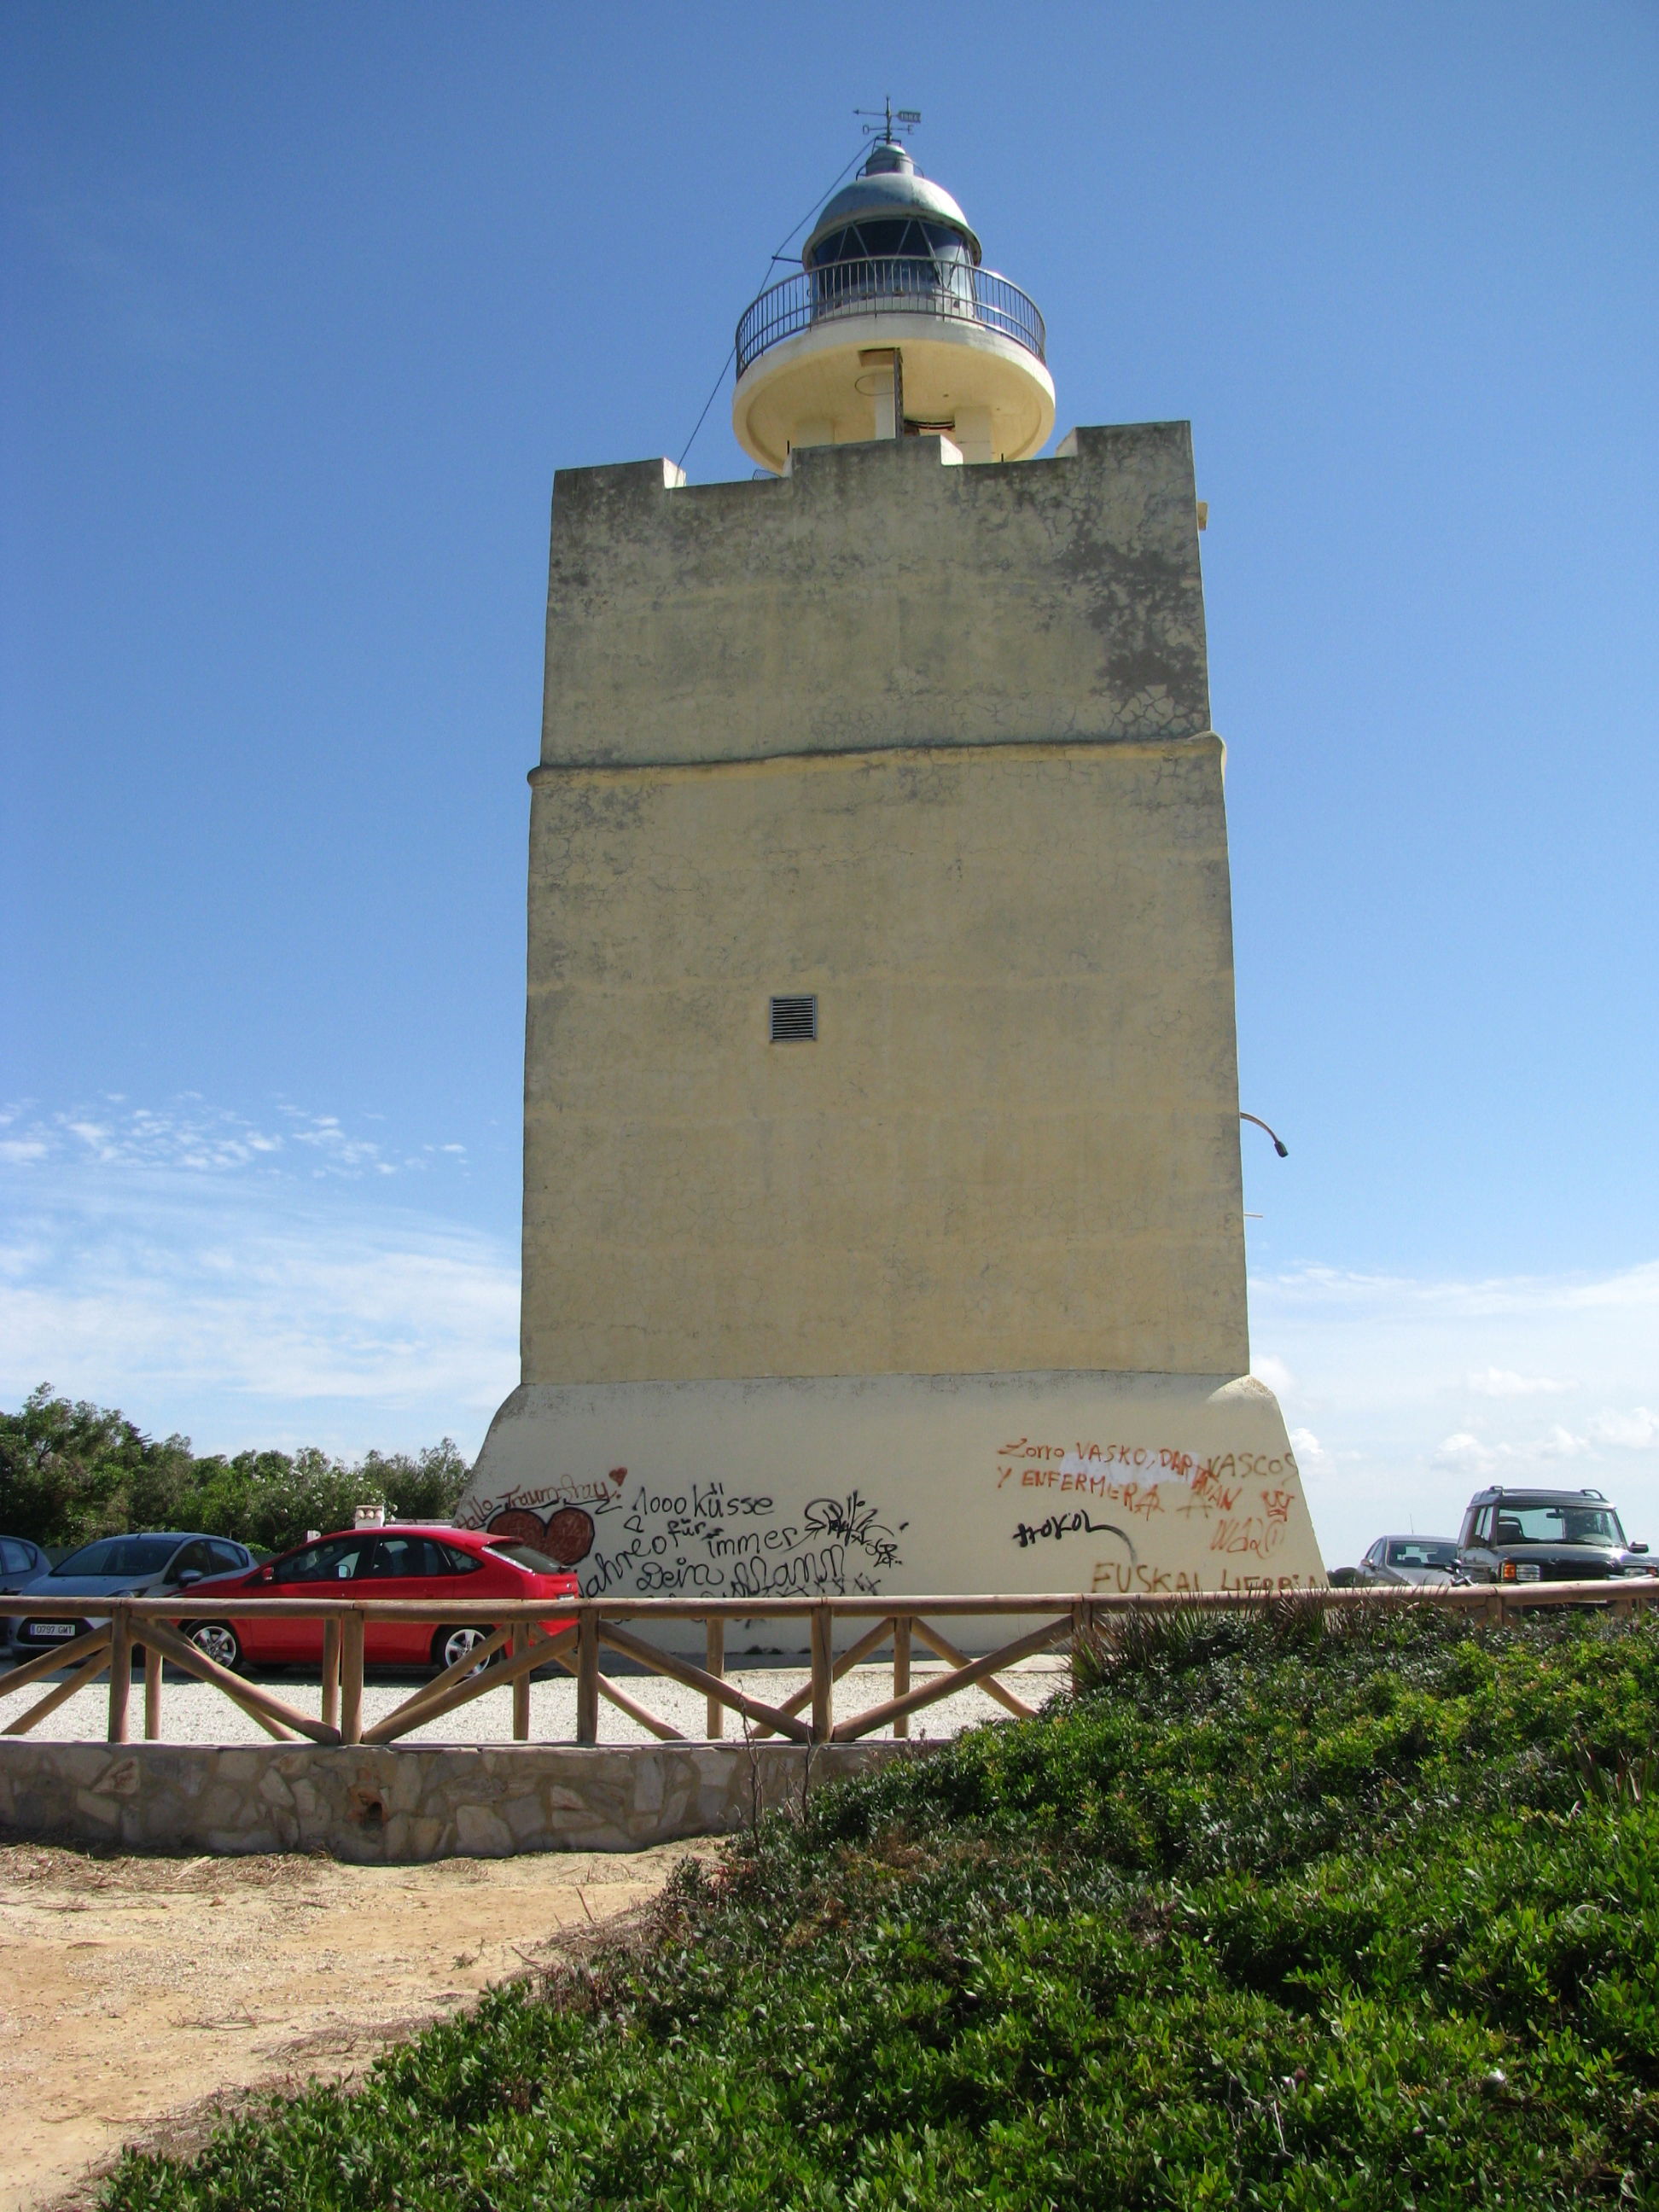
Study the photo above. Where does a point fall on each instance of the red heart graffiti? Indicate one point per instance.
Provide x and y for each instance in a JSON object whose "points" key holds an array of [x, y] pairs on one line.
{"points": [[566, 1535]]}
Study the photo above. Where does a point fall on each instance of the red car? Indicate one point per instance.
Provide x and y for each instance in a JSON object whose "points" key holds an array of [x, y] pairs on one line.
{"points": [[423, 1563]]}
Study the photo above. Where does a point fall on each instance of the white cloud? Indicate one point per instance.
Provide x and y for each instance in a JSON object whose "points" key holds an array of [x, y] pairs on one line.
{"points": [[1558, 1443], [1466, 1454], [1420, 1390], [1274, 1373], [1309, 1452], [187, 1266], [194, 1137], [1504, 1383], [1634, 1430], [1325, 1288], [1466, 1451]]}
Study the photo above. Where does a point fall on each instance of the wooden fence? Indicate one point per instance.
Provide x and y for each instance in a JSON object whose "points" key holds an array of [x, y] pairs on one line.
{"points": [[516, 1646]]}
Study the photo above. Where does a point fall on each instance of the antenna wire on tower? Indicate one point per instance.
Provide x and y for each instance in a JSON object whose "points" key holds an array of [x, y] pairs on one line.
{"points": [[777, 257]]}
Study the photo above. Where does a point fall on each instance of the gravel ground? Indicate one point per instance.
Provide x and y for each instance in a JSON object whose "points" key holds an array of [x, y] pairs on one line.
{"points": [[193, 1712]]}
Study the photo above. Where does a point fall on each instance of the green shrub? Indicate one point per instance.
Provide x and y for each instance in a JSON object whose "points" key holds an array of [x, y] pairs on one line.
{"points": [[72, 1471], [1303, 1920]]}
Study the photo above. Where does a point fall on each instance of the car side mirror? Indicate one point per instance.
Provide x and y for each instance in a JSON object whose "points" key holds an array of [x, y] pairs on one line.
{"points": [[189, 1575], [1639, 1547], [267, 1575]]}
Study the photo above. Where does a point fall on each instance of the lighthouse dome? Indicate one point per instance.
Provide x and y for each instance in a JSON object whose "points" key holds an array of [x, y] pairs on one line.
{"points": [[890, 208]]}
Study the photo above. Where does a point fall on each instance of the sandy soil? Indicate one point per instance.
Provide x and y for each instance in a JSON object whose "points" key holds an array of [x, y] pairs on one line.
{"points": [[137, 1994]]}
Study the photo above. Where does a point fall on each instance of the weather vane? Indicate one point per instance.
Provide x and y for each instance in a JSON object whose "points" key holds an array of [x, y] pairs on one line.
{"points": [[886, 116]]}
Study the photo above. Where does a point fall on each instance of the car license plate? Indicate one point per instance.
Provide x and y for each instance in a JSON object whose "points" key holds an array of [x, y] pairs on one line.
{"points": [[41, 1629]]}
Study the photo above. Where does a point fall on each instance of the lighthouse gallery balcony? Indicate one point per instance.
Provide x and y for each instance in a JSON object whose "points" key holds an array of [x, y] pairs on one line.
{"points": [[911, 285]]}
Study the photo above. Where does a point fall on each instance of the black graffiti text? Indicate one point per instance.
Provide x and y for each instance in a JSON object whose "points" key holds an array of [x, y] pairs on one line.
{"points": [[1077, 1523]]}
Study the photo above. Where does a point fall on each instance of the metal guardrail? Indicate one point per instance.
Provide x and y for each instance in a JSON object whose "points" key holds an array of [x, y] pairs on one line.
{"points": [[912, 285], [518, 1645]]}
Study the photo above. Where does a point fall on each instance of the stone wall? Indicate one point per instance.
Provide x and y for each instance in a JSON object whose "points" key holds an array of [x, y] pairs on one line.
{"points": [[378, 1805]]}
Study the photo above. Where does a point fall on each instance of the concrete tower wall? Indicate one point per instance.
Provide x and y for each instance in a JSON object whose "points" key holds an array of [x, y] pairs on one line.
{"points": [[1015, 1143], [930, 743]]}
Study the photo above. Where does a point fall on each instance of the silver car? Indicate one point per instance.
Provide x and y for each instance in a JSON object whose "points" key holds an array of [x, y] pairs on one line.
{"points": [[153, 1564], [1397, 1562]]}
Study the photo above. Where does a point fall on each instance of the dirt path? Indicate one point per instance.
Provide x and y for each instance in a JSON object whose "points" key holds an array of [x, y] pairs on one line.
{"points": [[131, 1990]]}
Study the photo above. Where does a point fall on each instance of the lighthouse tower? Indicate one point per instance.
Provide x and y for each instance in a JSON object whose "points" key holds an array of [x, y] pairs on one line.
{"points": [[883, 1224]]}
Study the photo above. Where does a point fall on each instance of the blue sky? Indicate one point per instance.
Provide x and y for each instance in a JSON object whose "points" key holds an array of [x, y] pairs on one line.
{"points": [[308, 303]]}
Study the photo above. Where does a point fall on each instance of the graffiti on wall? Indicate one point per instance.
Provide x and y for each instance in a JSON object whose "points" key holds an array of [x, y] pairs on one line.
{"points": [[1113, 1518], [702, 1539], [1238, 1504]]}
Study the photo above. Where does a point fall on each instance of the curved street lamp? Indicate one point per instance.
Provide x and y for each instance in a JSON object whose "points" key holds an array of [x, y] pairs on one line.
{"points": [[1279, 1147]]}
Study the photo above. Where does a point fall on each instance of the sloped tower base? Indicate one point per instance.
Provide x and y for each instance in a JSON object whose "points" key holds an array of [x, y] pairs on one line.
{"points": [[901, 1485]]}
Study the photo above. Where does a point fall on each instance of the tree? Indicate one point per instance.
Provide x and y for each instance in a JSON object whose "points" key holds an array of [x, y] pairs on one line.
{"points": [[72, 1471]]}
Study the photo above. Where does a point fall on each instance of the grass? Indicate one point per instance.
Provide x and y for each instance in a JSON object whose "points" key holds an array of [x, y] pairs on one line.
{"points": [[1268, 1916]]}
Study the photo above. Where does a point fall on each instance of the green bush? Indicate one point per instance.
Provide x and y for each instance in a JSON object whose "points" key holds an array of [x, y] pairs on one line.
{"points": [[72, 1471], [1268, 1917]]}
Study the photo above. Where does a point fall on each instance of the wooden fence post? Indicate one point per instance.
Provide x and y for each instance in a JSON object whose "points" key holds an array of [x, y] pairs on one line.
{"points": [[351, 1676], [588, 1676], [902, 1669], [714, 1659], [520, 1641], [824, 1679], [154, 1665], [120, 1671], [331, 1712]]}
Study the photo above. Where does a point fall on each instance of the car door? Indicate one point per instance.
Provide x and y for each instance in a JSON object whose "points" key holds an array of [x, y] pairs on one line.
{"points": [[20, 1563], [417, 1570], [1476, 1549], [193, 1563], [326, 1570]]}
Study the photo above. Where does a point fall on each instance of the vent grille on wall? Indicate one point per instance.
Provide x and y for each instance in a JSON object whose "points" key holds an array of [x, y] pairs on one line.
{"points": [[794, 1020]]}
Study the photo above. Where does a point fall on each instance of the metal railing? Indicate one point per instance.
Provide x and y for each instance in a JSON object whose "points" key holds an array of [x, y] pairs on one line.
{"points": [[518, 1645], [916, 285]]}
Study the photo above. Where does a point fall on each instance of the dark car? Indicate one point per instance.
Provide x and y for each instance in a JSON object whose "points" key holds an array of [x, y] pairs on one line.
{"points": [[1545, 1536], [153, 1564], [1399, 1562], [425, 1563], [22, 1565]]}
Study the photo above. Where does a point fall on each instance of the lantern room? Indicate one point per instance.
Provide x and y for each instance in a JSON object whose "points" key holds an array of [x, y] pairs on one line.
{"points": [[892, 328]]}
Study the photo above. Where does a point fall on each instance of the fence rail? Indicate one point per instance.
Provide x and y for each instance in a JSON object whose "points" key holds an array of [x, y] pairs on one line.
{"points": [[518, 1645]]}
